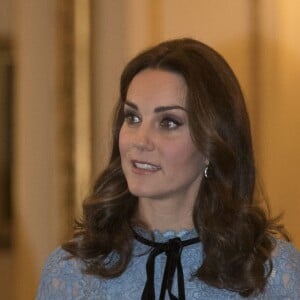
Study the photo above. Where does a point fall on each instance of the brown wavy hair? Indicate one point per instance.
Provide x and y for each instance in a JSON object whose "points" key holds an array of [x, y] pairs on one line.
{"points": [[235, 232]]}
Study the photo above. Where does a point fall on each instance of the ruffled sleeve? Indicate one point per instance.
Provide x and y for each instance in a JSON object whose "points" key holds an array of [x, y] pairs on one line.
{"points": [[62, 278]]}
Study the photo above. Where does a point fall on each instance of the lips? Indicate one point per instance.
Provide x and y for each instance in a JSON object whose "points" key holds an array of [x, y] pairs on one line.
{"points": [[146, 166]]}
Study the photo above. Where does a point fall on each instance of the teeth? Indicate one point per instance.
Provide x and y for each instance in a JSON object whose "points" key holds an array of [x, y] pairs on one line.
{"points": [[145, 166]]}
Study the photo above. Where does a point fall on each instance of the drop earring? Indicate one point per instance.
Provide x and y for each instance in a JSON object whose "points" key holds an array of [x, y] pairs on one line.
{"points": [[206, 171]]}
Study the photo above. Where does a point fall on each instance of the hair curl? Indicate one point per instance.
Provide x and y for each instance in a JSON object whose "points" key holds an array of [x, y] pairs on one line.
{"points": [[235, 232]]}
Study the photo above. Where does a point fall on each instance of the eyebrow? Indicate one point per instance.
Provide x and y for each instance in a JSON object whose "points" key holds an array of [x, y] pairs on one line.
{"points": [[157, 109]]}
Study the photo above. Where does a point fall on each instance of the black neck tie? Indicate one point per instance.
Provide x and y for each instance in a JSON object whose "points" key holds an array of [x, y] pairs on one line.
{"points": [[173, 249]]}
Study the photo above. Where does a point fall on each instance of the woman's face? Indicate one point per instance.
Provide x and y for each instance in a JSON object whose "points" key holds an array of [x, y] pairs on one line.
{"points": [[159, 158]]}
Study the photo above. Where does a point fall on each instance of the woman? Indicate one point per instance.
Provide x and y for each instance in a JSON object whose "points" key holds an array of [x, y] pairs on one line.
{"points": [[173, 214]]}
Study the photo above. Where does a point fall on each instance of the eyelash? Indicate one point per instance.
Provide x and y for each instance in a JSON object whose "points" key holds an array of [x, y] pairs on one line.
{"points": [[129, 118], [165, 123]]}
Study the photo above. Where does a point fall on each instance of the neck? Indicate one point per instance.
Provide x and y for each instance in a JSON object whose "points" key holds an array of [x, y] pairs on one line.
{"points": [[165, 215]]}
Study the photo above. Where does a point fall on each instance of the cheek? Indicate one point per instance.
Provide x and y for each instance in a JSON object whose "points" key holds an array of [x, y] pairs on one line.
{"points": [[123, 141], [183, 155]]}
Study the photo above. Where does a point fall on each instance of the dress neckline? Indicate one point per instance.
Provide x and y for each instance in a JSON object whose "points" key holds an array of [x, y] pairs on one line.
{"points": [[172, 248], [163, 236]]}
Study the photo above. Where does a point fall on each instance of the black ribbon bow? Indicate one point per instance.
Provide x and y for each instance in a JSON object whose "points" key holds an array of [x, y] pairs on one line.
{"points": [[173, 249]]}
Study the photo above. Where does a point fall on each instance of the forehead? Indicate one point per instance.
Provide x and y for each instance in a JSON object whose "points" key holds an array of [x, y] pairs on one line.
{"points": [[157, 87]]}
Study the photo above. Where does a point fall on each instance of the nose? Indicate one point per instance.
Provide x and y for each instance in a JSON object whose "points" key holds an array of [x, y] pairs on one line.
{"points": [[143, 138]]}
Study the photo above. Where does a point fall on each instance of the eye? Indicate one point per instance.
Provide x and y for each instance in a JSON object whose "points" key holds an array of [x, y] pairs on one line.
{"points": [[131, 118], [170, 123]]}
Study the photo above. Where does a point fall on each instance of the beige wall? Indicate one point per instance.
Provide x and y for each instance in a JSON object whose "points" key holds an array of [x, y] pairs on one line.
{"points": [[279, 118], [35, 147], [119, 30], [6, 19]]}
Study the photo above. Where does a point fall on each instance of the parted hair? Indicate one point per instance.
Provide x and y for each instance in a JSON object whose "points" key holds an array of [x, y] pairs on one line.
{"points": [[237, 234]]}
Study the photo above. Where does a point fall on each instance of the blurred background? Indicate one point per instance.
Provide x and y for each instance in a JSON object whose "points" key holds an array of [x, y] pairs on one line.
{"points": [[60, 62]]}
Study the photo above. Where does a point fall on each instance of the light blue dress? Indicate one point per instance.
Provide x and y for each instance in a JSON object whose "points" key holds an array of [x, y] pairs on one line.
{"points": [[63, 278]]}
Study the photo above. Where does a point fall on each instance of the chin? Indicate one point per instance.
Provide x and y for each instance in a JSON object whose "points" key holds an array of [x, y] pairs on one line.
{"points": [[141, 192], [138, 192]]}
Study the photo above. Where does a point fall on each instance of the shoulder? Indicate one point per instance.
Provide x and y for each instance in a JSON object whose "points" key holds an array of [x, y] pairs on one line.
{"points": [[286, 252], [61, 262], [285, 258], [63, 277], [285, 276]]}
